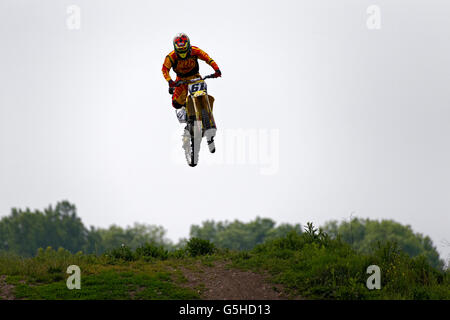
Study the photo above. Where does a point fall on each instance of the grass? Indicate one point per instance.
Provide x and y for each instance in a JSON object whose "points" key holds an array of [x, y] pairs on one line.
{"points": [[109, 285], [310, 265], [314, 266], [102, 277]]}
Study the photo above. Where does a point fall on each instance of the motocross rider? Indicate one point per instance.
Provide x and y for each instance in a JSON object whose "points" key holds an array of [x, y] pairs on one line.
{"points": [[184, 61]]}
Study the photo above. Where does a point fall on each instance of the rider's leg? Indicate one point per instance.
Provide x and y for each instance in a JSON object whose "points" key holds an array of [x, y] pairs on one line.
{"points": [[211, 144], [211, 132], [179, 97], [178, 103]]}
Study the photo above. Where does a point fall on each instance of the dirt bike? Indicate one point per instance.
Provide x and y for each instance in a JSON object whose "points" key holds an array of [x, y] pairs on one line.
{"points": [[199, 118]]}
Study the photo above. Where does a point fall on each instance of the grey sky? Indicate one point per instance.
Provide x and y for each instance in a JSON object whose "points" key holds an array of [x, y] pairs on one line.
{"points": [[362, 115]]}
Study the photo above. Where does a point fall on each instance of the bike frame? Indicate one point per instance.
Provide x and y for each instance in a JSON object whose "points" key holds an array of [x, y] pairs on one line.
{"points": [[196, 113]]}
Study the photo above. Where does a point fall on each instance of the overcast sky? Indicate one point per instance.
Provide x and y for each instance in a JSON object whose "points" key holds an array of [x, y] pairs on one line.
{"points": [[339, 118]]}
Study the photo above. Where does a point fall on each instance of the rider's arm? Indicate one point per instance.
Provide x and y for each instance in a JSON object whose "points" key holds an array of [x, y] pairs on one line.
{"points": [[202, 55], [167, 65]]}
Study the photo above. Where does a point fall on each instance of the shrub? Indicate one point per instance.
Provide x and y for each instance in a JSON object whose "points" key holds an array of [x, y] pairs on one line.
{"points": [[151, 251], [199, 247], [121, 253], [178, 253]]}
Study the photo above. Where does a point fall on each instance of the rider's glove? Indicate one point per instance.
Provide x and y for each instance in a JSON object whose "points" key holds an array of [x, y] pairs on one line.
{"points": [[181, 115], [171, 86], [217, 74]]}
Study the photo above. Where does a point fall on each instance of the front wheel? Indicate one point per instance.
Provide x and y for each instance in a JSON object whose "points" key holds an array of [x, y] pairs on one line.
{"points": [[192, 138]]}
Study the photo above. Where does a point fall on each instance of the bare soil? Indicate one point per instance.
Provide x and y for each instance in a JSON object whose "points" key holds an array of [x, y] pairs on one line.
{"points": [[5, 289], [221, 283]]}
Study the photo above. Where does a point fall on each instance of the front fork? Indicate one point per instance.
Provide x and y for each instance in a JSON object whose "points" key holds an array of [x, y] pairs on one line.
{"points": [[196, 129]]}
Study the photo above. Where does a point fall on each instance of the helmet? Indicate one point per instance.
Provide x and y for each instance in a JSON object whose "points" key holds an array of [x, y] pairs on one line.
{"points": [[182, 45]]}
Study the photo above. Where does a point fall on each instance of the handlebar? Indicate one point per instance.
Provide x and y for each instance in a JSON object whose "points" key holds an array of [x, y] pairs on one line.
{"points": [[180, 82]]}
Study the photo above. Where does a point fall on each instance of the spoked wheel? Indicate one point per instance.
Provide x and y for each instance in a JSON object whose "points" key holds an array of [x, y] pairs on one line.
{"points": [[187, 145], [191, 143]]}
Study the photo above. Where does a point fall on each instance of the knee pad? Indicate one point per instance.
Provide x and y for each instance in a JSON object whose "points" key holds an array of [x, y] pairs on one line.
{"points": [[176, 105]]}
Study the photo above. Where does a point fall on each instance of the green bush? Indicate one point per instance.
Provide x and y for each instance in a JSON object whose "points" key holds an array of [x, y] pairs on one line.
{"points": [[178, 253], [122, 253], [152, 251], [363, 234], [199, 247]]}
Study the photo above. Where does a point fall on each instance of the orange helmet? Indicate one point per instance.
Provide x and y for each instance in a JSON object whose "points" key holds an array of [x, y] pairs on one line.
{"points": [[182, 45]]}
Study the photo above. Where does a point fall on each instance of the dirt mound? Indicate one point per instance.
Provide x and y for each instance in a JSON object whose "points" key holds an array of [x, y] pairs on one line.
{"points": [[221, 283]]}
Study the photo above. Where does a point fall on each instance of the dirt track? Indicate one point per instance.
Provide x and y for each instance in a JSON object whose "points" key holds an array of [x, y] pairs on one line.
{"points": [[221, 283]]}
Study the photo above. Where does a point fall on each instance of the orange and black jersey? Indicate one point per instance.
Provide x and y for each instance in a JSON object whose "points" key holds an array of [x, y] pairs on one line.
{"points": [[186, 67]]}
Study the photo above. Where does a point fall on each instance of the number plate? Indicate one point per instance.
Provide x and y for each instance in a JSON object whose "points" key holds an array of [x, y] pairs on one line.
{"points": [[198, 86]]}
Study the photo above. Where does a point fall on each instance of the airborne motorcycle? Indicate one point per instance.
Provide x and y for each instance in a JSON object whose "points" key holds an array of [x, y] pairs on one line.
{"points": [[199, 118]]}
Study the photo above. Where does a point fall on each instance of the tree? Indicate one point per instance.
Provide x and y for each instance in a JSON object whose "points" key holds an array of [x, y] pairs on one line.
{"points": [[363, 235], [132, 237], [238, 235], [24, 231]]}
